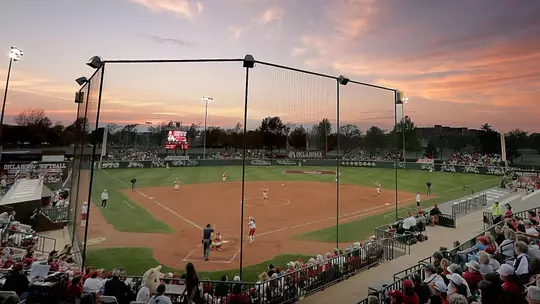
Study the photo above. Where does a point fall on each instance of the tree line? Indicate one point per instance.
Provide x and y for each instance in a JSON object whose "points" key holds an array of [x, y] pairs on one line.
{"points": [[34, 129]]}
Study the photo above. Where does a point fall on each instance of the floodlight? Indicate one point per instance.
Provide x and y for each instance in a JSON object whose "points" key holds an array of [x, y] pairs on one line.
{"points": [[342, 80], [95, 62], [81, 80], [15, 54]]}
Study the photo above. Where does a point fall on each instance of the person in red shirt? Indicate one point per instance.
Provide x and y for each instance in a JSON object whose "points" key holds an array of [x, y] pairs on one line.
{"points": [[511, 287], [75, 288], [237, 296], [472, 276], [396, 296], [409, 296], [508, 213]]}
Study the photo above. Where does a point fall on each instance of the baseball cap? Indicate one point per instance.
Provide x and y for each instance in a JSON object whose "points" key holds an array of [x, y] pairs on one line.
{"points": [[505, 270], [454, 277], [440, 286], [474, 265], [395, 293]]}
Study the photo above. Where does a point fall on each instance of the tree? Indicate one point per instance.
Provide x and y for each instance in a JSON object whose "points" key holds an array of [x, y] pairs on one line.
{"points": [[297, 138], [33, 117], [274, 133], [350, 137], [431, 150], [375, 139], [515, 141], [321, 131], [191, 133], [489, 140], [406, 126], [534, 141]]}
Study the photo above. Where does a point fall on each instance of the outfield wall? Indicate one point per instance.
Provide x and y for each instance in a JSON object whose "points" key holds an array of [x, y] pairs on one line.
{"points": [[489, 170]]}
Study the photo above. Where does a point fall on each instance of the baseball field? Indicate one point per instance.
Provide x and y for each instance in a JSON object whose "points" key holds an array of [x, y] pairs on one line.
{"points": [[157, 225]]}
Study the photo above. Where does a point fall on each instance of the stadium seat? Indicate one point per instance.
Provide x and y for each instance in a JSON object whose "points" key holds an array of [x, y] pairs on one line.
{"points": [[108, 300]]}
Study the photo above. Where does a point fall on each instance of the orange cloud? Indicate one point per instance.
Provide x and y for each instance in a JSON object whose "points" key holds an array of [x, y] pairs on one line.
{"points": [[269, 15], [181, 8]]}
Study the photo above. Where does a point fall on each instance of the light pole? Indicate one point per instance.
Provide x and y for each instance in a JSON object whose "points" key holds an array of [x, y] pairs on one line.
{"points": [[403, 102], [148, 124], [14, 55], [206, 100]]}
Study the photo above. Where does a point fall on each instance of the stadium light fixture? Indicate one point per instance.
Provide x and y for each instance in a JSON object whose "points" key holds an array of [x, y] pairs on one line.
{"points": [[95, 62], [81, 80], [15, 54], [206, 100]]}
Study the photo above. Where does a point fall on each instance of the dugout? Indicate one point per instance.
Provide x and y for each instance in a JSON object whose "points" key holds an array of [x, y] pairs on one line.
{"points": [[24, 197]]}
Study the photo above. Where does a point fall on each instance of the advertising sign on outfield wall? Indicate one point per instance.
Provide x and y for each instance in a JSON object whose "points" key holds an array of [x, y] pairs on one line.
{"points": [[304, 154]]}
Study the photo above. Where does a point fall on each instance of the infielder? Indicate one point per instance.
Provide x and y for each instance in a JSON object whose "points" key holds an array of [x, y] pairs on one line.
{"points": [[265, 194], [378, 186], [84, 213], [252, 226], [176, 185], [224, 177]]}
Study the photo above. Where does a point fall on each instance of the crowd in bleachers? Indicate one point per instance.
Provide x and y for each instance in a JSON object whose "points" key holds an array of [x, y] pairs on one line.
{"points": [[276, 285], [473, 159], [251, 154], [123, 154], [362, 156], [502, 267]]}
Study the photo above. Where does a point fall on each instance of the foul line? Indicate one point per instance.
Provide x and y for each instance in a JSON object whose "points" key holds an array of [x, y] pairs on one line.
{"points": [[129, 205], [155, 201]]}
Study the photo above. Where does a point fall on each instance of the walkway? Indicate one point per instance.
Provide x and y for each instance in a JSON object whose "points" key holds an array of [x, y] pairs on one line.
{"points": [[356, 288]]}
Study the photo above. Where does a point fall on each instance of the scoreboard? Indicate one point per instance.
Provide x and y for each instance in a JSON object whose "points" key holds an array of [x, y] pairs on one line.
{"points": [[176, 140]]}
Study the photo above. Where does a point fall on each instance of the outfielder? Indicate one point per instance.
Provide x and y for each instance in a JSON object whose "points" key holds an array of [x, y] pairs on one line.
{"points": [[252, 226], [265, 194], [176, 185]]}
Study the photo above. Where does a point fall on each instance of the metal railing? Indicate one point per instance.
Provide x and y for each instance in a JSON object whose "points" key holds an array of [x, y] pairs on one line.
{"points": [[17, 239], [489, 219], [56, 214], [467, 205], [292, 286]]}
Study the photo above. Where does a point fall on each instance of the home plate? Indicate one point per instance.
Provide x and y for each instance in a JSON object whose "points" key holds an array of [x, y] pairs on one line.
{"points": [[387, 204], [150, 197]]}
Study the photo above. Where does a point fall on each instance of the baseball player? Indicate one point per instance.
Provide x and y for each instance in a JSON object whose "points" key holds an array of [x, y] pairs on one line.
{"points": [[252, 226], [265, 193], [378, 186], [176, 185]]}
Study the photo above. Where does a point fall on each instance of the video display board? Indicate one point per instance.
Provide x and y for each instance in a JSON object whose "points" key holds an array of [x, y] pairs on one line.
{"points": [[176, 140]]}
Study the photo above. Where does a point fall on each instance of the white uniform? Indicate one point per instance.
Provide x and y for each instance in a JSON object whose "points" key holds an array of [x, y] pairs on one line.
{"points": [[265, 193], [378, 189], [224, 178], [176, 185]]}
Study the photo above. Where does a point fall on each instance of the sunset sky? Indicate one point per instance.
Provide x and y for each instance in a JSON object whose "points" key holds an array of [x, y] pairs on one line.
{"points": [[460, 63]]}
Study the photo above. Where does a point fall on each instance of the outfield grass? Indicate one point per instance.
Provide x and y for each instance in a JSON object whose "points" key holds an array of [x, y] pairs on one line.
{"points": [[142, 259]]}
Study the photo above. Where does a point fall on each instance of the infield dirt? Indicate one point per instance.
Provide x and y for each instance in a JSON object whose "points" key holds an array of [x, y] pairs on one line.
{"points": [[293, 208]]}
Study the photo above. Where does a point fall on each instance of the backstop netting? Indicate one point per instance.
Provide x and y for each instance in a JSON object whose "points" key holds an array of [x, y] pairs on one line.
{"points": [[280, 162]]}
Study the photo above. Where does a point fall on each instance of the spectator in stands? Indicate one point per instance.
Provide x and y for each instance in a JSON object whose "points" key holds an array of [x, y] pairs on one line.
{"points": [[116, 288], [508, 213], [17, 281], [462, 256], [434, 213], [222, 289], [431, 277], [437, 258], [373, 300], [92, 284], [457, 285], [472, 276], [160, 297], [409, 296], [396, 297], [421, 289], [488, 292], [75, 288], [236, 296], [458, 299], [511, 286], [441, 291], [497, 212], [499, 235], [533, 295], [483, 260], [506, 248], [409, 223], [532, 216], [435, 299], [271, 270], [521, 264], [192, 284]]}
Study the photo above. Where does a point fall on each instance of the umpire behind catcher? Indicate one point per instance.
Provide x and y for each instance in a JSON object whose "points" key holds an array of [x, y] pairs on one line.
{"points": [[206, 240]]}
